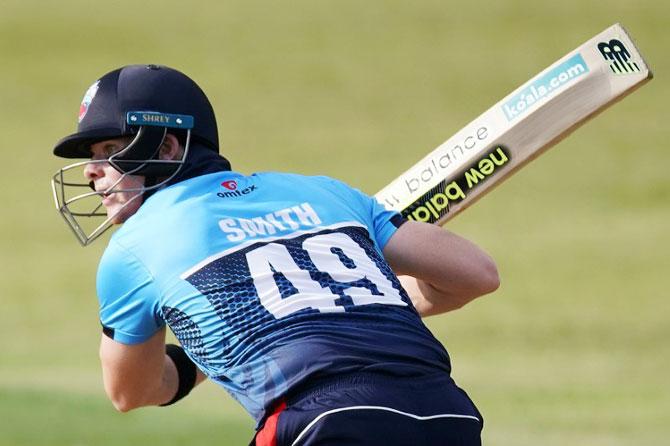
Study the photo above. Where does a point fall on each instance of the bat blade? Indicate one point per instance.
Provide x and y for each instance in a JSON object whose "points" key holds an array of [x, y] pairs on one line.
{"points": [[519, 128]]}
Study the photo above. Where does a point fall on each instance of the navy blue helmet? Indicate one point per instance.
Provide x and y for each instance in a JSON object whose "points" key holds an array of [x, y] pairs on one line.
{"points": [[103, 111], [143, 103]]}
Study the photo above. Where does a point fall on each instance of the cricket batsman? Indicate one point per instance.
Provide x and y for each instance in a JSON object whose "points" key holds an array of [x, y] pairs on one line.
{"points": [[301, 296]]}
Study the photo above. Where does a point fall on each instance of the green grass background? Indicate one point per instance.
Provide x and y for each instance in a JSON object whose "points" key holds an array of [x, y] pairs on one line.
{"points": [[574, 347]]}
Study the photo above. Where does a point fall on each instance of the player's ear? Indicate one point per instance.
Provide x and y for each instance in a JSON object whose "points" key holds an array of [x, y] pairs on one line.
{"points": [[170, 149]]}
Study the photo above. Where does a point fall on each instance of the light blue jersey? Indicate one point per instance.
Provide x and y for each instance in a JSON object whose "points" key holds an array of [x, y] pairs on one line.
{"points": [[268, 281]]}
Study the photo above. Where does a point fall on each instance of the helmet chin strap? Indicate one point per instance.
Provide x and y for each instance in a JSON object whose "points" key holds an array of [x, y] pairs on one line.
{"points": [[150, 184]]}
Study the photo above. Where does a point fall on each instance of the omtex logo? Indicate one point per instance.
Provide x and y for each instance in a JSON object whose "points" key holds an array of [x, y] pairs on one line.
{"points": [[233, 191], [230, 184]]}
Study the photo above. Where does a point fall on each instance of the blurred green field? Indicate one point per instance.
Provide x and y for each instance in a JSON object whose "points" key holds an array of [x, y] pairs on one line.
{"points": [[573, 349]]}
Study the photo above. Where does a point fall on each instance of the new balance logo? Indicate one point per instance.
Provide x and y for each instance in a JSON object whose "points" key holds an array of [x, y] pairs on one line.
{"points": [[618, 57]]}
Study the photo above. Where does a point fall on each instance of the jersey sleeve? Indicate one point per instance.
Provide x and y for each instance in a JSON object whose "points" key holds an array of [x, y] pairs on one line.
{"points": [[385, 222], [128, 296], [382, 222]]}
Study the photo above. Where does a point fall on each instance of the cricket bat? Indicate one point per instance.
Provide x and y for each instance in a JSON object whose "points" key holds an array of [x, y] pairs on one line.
{"points": [[519, 128]]}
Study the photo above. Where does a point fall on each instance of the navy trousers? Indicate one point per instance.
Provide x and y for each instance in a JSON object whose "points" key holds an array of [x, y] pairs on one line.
{"points": [[374, 409]]}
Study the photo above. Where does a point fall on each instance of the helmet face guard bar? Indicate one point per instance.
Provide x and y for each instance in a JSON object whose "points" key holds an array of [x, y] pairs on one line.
{"points": [[140, 157]]}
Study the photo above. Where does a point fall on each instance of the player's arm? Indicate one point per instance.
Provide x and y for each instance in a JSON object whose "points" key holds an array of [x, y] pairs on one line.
{"points": [[440, 270], [141, 374]]}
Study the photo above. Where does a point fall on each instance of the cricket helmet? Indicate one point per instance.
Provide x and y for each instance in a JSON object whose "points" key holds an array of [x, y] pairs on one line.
{"points": [[143, 103]]}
